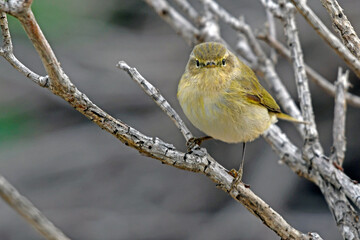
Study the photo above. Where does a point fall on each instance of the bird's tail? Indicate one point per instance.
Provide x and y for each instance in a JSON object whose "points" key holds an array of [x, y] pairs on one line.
{"points": [[286, 117]]}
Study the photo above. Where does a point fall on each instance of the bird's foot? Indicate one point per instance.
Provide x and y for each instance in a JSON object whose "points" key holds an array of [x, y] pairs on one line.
{"points": [[237, 175], [192, 142]]}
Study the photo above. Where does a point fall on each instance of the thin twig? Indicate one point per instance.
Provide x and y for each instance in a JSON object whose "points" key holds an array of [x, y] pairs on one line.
{"points": [[272, 32], [288, 152], [319, 80], [237, 24], [182, 26], [188, 10], [243, 49], [154, 93], [14, 7], [7, 43], [293, 41], [339, 140], [344, 214], [318, 167], [328, 36], [7, 52], [208, 29], [26, 209], [343, 26], [210, 26]]}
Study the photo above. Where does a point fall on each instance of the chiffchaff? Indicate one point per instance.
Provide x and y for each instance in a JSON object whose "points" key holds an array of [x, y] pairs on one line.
{"points": [[223, 98]]}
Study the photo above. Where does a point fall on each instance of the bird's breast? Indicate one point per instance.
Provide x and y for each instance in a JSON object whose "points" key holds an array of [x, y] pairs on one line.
{"points": [[229, 121]]}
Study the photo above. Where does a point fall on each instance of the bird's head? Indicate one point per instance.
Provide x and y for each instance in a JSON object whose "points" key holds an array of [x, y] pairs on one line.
{"points": [[210, 55]]}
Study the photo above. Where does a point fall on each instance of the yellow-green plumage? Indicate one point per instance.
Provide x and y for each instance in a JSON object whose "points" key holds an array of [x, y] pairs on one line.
{"points": [[222, 97]]}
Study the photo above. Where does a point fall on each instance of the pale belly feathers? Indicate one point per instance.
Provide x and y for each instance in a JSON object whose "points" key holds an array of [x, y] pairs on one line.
{"points": [[227, 121]]}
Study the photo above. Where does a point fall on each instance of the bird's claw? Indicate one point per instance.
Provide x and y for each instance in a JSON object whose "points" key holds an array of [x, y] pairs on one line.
{"points": [[192, 142], [237, 175]]}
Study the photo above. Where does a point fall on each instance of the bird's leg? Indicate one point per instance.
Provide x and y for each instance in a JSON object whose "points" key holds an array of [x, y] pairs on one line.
{"points": [[242, 160], [238, 174], [196, 141]]}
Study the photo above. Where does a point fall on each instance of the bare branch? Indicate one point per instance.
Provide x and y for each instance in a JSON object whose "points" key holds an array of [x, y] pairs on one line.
{"points": [[343, 26], [15, 7], [238, 25], [27, 210], [154, 93], [188, 10], [319, 80], [337, 201], [337, 178], [182, 26], [243, 49], [270, 24], [327, 36], [345, 215], [7, 43], [267, 215], [293, 41], [7, 52], [288, 152], [317, 168], [22, 11], [339, 140], [210, 30]]}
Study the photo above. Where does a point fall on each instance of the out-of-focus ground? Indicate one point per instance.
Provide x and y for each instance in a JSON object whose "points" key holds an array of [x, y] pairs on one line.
{"points": [[92, 186]]}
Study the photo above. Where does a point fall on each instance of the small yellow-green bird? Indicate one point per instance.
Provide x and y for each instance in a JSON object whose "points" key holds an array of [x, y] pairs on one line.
{"points": [[223, 98]]}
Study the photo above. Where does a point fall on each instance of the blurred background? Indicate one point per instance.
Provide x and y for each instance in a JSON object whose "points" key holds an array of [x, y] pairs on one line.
{"points": [[94, 187]]}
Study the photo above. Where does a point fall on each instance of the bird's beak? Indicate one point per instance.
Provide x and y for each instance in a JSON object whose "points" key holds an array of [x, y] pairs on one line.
{"points": [[210, 64]]}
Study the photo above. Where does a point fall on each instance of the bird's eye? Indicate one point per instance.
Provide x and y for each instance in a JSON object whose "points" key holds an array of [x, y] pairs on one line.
{"points": [[197, 63], [223, 62]]}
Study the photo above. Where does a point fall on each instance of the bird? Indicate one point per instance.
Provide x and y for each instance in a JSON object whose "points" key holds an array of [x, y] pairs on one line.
{"points": [[222, 97]]}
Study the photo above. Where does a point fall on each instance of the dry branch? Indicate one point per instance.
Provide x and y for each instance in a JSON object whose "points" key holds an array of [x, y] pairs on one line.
{"points": [[327, 36], [339, 140], [343, 26], [291, 34], [189, 10], [319, 80], [157, 97], [7, 52], [182, 26], [28, 211]]}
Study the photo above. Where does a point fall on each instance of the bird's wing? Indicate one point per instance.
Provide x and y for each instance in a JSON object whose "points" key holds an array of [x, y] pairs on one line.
{"points": [[253, 91]]}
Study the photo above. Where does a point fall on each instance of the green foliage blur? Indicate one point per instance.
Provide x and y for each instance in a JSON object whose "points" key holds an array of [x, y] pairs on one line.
{"points": [[15, 124], [58, 19], [53, 17]]}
